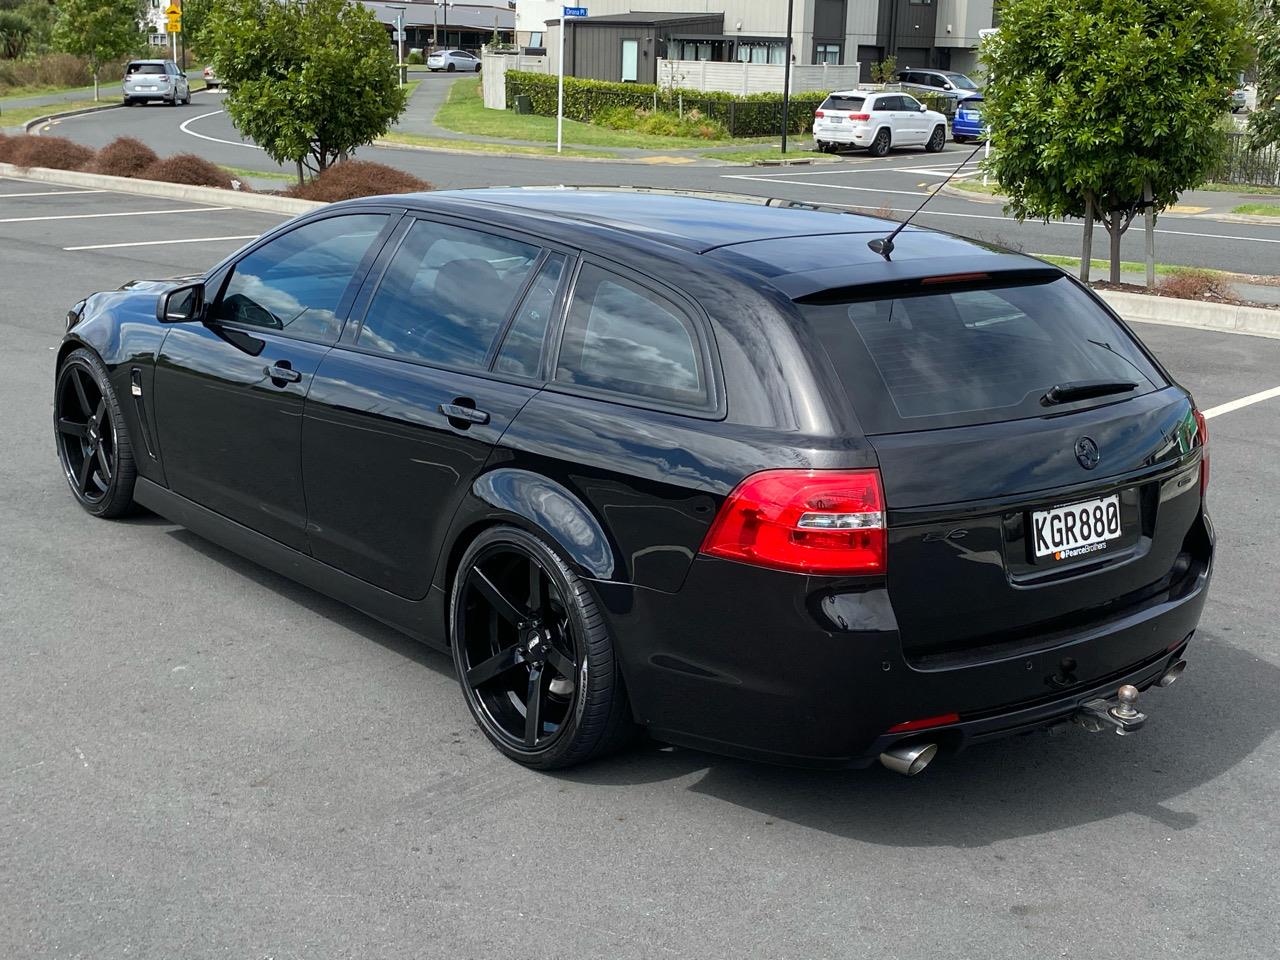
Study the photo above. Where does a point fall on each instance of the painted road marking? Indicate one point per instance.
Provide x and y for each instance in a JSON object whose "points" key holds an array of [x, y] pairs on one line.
{"points": [[158, 243], [1253, 398], [48, 193], [127, 213], [838, 186], [857, 168], [213, 113]]}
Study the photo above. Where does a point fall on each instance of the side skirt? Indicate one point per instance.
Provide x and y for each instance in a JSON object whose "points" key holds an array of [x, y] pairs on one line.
{"points": [[420, 619]]}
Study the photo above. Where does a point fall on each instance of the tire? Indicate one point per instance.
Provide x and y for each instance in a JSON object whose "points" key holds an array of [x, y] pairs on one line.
{"points": [[880, 145], [101, 474], [937, 140], [450, 68], [958, 138], [128, 101], [594, 718]]}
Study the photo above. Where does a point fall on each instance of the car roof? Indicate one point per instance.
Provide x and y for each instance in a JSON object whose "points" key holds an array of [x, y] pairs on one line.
{"points": [[797, 248], [132, 62]]}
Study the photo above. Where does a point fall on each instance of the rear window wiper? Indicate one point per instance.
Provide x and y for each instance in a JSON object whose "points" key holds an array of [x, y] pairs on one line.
{"points": [[1084, 390]]}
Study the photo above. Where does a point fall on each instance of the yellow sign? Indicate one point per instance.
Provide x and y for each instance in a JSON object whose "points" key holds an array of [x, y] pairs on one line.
{"points": [[173, 10], [173, 26]]}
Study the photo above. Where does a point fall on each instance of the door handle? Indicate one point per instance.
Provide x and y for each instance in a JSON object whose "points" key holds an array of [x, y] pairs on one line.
{"points": [[463, 416], [280, 372]]}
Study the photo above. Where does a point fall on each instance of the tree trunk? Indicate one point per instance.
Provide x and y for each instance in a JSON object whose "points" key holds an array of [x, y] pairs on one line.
{"points": [[95, 84], [1086, 251], [1114, 228], [1150, 214], [301, 179]]}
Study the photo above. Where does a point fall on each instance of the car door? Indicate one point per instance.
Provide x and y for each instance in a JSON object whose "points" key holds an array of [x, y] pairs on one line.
{"points": [[913, 121], [887, 111], [405, 411], [229, 392]]}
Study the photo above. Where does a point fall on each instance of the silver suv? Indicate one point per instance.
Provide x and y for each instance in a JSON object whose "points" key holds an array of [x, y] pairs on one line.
{"points": [[946, 82], [155, 80]]}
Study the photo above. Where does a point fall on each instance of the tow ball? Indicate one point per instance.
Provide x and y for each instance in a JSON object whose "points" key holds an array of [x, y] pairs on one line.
{"points": [[1118, 712]]}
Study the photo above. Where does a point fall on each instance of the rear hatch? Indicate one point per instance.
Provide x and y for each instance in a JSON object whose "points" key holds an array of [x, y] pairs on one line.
{"points": [[1041, 474], [146, 78], [838, 112]]}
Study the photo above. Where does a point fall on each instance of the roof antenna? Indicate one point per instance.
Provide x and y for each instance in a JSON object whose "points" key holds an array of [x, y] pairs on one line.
{"points": [[884, 245]]}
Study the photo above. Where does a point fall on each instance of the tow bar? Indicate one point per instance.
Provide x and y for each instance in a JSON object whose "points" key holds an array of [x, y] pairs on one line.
{"points": [[1117, 712]]}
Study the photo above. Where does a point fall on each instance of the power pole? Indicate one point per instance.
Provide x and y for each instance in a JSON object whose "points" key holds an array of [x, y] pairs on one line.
{"points": [[786, 76]]}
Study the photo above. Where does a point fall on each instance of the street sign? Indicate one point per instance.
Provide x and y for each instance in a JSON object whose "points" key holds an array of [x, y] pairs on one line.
{"points": [[173, 26], [397, 35], [173, 10], [575, 11]]}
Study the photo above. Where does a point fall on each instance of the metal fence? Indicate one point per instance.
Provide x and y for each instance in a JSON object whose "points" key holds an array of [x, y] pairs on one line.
{"points": [[1240, 165]]}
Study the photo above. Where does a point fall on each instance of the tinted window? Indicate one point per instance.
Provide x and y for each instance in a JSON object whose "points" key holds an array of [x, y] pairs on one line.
{"points": [[838, 102], [295, 282], [144, 68], [522, 348], [937, 81], [446, 294], [961, 81], [974, 355], [629, 339], [888, 103], [908, 103]]}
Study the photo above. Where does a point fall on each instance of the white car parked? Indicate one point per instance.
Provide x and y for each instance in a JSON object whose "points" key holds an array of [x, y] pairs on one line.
{"points": [[878, 122], [452, 60]]}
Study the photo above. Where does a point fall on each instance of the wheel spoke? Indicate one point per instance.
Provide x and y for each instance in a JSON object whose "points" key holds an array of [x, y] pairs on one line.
{"points": [[495, 665], [71, 428], [562, 664], [104, 465], [86, 471], [537, 588], [101, 412], [78, 382], [533, 707], [506, 609]]}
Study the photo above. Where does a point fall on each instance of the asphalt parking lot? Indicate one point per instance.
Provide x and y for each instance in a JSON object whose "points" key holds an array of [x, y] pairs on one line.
{"points": [[202, 759]]}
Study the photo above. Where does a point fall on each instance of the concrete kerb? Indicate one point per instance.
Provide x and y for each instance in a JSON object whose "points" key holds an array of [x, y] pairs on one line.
{"points": [[32, 124], [1225, 317], [214, 196]]}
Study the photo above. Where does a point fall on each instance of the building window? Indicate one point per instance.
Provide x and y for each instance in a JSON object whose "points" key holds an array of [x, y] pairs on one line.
{"points": [[535, 38], [763, 52], [828, 53]]}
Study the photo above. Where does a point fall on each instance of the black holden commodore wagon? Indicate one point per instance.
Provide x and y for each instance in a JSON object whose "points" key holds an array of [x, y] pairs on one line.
{"points": [[715, 470]]}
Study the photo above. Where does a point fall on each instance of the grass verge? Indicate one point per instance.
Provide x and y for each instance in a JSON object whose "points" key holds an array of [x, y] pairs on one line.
{"points": [[22, 115], [464, 112], [244, 173], [474, 146], [1240, 188], [752, 156], [1126, 266], [1258, 209], [21, 93], [976, 186]]}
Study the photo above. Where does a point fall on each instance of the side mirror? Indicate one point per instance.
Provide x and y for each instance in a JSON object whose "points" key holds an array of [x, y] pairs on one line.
{"points": [[923, 108], [182, 304]]}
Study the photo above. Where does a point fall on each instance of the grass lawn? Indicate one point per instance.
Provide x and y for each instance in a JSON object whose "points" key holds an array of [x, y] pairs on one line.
{"points": [[473, 146], [21, 115], [1240, 188], [245, 173], [976, 186], [465, 112], [1126, 266], [21, 93], [751, 156], [1258, 209]]}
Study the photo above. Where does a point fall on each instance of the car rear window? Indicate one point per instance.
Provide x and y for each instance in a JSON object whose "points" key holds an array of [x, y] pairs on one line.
{"points": [[974, 352], [837, 102], [144, 68]]}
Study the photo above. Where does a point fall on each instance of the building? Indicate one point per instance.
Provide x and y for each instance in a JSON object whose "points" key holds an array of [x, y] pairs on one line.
{"points": [[919, 33], [433, 24]]}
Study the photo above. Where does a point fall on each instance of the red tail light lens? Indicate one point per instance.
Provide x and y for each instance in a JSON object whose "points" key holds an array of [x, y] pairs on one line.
{"points": [[859, 116], [939, 721], [818, 113], [1202, 430], [808, 521]]}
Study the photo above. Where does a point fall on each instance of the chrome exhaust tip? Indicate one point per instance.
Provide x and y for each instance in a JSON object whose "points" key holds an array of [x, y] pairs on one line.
{"points": [[1172, 675], [909, 759]]}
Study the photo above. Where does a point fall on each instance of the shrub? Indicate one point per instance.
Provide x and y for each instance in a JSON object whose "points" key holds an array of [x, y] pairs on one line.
{"points": [[661, 124], [55, 153], [123, 157], [414, 58], [357, 178], [187, 168], [7, 146], [1194, 285]]}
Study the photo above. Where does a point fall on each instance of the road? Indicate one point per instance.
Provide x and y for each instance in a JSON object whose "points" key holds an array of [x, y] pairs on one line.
{"points": [[897, 185], [202, 759]]}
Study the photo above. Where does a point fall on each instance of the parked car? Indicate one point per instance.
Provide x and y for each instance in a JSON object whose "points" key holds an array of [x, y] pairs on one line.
{"points": [[452, 60], [946, 82], [160, 80], [1239, 99], [211, 80], [714, 469], [968, 125], [878, 122]]}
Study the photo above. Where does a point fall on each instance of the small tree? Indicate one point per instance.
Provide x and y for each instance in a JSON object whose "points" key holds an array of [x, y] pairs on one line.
{"points": [[98, 30], [885, 71], [1264, 125], [308, 81], [1091, 103]]}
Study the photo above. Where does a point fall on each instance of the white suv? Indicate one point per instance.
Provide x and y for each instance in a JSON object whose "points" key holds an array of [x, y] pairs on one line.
{"points": [[877, 121]]}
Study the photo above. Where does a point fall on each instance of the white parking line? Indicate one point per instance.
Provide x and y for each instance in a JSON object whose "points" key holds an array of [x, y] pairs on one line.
{"points": [[126, 213], [158, 243], [857, 168], [48, 193], [1253, 398], [839, 186], [213, 113]]}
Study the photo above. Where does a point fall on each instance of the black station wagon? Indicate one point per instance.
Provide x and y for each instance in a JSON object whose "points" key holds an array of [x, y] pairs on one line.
{"points": [[714, 470]]}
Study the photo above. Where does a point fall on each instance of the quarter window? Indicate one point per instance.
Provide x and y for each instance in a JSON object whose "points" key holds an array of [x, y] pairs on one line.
{"points": [[625, 338], [446, 294], [295, 282], [522, 348]]}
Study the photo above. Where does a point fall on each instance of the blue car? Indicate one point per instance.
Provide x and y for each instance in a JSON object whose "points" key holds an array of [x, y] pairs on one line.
{"points": [[968, 124]]}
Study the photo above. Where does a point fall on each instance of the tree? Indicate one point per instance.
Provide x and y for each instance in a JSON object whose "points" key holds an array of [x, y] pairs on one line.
{"points": [[1264, 125], [308, 81], [15, 34], [195, 17], [1091, 103], [98, 30]]}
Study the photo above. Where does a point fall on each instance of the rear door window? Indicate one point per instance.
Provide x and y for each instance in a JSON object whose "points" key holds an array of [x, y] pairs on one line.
{"points": [[522, 347], [975, 354], [837, 102], [626, 338]]}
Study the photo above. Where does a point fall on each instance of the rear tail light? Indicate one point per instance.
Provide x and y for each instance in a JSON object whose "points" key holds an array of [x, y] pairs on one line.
{"points": [[926, 723], [809, 521], [1202, 431], [859, 116], [819, 114]]}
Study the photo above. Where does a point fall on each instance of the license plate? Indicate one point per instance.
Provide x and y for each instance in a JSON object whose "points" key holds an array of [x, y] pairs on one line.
{"points": [[836, 119], [1076, 529]]}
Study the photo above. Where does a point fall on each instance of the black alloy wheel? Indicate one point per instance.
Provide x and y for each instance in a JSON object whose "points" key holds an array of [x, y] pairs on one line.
{"points": [[450, 68], [880, 145], [937, 140], [532, 654], [93, 445]]}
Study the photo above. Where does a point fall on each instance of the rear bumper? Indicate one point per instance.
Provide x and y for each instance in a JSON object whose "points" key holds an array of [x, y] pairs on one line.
{"points": [[797, 670], [967, 128], [149, 94], [844, 133]]}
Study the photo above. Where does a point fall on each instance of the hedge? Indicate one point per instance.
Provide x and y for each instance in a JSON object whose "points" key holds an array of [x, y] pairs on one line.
{"points": [[755, 115]]}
